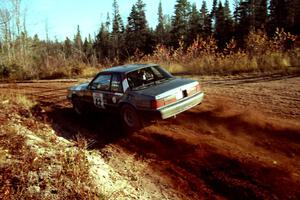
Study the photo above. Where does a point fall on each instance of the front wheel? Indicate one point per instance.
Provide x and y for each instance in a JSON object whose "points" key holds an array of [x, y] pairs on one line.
{"points": [[130, 118], [77, 106]]}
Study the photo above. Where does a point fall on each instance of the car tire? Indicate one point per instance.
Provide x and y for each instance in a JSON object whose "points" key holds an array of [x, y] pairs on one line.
{"points": [[130, 118], [77, 106]]}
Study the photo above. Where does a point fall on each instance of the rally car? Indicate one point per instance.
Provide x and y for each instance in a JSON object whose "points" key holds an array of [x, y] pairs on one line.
{"points": [[136, 91]]}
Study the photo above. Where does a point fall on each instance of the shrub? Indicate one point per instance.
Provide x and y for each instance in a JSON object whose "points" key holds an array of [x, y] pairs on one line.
{"points": [[262, 54]]}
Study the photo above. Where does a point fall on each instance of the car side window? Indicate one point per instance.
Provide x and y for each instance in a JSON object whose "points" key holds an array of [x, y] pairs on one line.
{"points": [[102, 82], [116, 83]]}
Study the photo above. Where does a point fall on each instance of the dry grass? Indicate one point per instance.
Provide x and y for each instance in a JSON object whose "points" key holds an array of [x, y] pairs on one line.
{"points": [[70, 70], [23, 101], [262, 54], [35, 163], [55, 68]]}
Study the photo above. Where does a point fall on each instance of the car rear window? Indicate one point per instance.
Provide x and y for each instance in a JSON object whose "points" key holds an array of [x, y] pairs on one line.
{"points": [[145, 77]]}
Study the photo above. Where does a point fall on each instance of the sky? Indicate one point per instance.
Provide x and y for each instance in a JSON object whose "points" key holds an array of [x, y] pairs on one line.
{"points": [[61, 17]]}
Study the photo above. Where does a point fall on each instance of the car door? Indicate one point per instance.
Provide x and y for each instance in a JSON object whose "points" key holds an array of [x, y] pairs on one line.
{"points": [[99, 91], [116, 92]]}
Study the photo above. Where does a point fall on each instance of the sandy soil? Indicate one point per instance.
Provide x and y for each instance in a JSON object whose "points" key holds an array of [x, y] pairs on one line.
{"points": [[242, 142]]}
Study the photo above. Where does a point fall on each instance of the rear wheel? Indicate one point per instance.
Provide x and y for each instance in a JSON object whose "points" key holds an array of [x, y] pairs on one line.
{"points": [[130, 118]]}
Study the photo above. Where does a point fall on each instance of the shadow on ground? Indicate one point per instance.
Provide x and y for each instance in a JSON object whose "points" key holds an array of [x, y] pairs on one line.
{"points": [[97, 128]]}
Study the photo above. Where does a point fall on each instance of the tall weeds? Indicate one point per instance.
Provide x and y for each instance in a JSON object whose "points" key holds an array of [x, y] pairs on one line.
{"points": [[262, 54]]}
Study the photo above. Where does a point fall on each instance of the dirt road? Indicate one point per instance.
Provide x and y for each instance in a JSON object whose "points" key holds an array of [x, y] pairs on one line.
{"points": [[243, 142]]}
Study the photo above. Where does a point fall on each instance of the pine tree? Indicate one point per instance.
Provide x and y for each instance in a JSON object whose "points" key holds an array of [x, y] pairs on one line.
{"points": [[213, 14], [180, 21], [87, 49], [160, 28], [220, 24], [293, 16], [278, 15], [107, 23], [242, 20], [168, 29], [296, 24], [67, 47], [195, 27], [142, 24], [102, 44], [227, 12], [260, 14], [117, 25], [236, 12], [223, 23], [228, 22], [78, 40], [131, 43], [138, 35], [205, 20], [117, 39]]}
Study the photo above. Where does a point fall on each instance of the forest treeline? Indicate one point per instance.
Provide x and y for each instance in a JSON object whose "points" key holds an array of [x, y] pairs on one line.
{"points": [[257, 35]]}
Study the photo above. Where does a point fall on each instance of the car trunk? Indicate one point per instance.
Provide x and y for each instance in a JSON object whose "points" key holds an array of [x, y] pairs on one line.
{"points": [[171, 87]]}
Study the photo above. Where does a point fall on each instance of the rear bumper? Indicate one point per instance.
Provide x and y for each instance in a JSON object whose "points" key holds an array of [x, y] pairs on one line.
{"points": [[181, 106], [174, 109]]}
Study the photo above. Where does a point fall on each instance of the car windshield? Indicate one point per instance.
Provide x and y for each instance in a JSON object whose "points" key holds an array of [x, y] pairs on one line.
{"points": [[145, 77]]}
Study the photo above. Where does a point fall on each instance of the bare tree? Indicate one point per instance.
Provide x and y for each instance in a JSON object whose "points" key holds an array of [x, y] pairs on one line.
{"points": [[13, 34], [5, 33]]}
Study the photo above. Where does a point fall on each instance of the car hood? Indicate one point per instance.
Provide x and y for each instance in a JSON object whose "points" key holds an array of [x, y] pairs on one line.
{"points": [[82, 86], [167, 88]]}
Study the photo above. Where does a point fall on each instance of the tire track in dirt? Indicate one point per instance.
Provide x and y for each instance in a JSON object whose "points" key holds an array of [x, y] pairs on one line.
{"points": [[220, 161]]}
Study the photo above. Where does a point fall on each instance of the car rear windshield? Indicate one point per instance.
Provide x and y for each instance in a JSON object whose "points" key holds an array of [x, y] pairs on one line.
{"points": [[148, 76]]}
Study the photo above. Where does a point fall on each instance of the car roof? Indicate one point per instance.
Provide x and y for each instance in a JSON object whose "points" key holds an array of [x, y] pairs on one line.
{"points": [[127, 68]]}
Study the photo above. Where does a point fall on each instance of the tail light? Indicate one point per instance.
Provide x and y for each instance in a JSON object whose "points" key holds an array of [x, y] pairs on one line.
{"points": [[162, 102], [157, 103], [194, 90], [170, 100]]}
